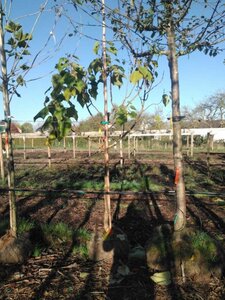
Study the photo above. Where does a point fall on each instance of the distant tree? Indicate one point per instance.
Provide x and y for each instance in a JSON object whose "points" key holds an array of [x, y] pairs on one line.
{"points": [[208, 113], [27, 127], [92, 123], [212, 108]]}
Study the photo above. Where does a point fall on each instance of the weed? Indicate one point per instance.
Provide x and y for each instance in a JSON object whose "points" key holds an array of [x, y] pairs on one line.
{"points": [[203, 243], [37, 251], [82, 235], [57, 234], [24, 225], [80, 250]]}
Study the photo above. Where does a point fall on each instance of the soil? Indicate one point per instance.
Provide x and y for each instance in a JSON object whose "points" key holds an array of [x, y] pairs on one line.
{"points": [[59, 274]]}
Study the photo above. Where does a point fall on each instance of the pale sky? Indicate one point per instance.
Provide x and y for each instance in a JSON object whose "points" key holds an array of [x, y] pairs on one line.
{"points": [[200, 75]]}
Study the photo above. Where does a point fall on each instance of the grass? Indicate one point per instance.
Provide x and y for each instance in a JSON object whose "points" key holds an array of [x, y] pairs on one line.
{"points": [[57, 234], [80, 250], [24, 225], [81, 237]]}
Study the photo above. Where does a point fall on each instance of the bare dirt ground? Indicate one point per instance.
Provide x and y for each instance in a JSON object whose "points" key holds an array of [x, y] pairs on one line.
{"points": [[62, 275]]}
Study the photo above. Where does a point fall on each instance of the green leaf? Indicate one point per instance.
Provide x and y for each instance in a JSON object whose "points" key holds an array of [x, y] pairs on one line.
{"points": [[26, 52], [113, 50], [67, 94], [71, 112], [12, 27], [20, 80], [135, 77], [24, 67], [19, 35], [80, 86], [42, 113], [165, 99], [96, 47], [62, 64], [95, 66]]}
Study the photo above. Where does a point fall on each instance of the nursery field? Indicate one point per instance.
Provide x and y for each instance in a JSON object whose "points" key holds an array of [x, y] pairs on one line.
{"points": [[70, 257]]}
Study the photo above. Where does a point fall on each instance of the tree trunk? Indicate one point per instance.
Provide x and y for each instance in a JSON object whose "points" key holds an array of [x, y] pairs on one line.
{"points": [[107, 200], [180, 216], [8, 137], [2, 160]]}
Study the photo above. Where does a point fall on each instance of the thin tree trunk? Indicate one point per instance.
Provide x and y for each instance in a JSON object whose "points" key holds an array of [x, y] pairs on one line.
{"points": [[180, 217], [107, 200], [2, 160], [8, 137]]}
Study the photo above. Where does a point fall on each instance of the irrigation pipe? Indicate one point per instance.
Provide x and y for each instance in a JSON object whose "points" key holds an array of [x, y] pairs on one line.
{"points": [[82, 192]]}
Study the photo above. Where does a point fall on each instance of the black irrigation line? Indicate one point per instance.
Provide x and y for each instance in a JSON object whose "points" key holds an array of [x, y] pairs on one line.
{"points": [[81, 192]]}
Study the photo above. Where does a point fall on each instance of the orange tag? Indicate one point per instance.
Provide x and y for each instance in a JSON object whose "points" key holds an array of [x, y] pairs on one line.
{"points": [[177, 176], [6, 139]]}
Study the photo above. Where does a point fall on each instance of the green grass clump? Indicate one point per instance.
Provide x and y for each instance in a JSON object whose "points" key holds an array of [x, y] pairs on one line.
{"points": [[24, 225], [37, 251], [57, 234], [82, 235], [203, 243], [80, 250]]}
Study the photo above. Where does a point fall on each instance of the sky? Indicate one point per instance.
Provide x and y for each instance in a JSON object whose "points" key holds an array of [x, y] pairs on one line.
{"points": [[200, 76]]}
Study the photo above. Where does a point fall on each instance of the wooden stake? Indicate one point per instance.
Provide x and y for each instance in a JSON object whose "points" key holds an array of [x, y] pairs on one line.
{"points": [[2, 160], [121, 151], [49, 157], [128, 142], [107, 200]]}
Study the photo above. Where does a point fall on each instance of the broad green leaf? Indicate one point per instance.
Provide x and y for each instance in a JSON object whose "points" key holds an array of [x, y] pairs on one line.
{"points": [[62, 64], [96, 47], [95, 66], [71, 112], [42, 113], [113, 50], [20, 80], [26, 52], [19, 35], [80, 86], [165, 99], [67, 94], [24, 67], [135, 77], [133, 115], [12, 27]]}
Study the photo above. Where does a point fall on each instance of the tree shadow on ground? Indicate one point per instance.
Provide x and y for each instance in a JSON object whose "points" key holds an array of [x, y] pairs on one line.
{"points": [[208, 213], [58, 269]]}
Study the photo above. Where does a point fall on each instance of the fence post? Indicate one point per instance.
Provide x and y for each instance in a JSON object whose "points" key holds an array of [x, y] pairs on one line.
{"points": [[24, 147], [74, 146], [89, 146], [32, 144], [192, 144]]}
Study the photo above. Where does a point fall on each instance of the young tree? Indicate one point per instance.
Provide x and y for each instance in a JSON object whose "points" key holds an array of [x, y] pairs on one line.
{"points": [[14, 48], [170, 28], [73, 82], [18, 44]]}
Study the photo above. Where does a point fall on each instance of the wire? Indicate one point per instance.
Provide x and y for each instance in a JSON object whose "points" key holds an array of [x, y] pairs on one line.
{"points": [[82, 192]]}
